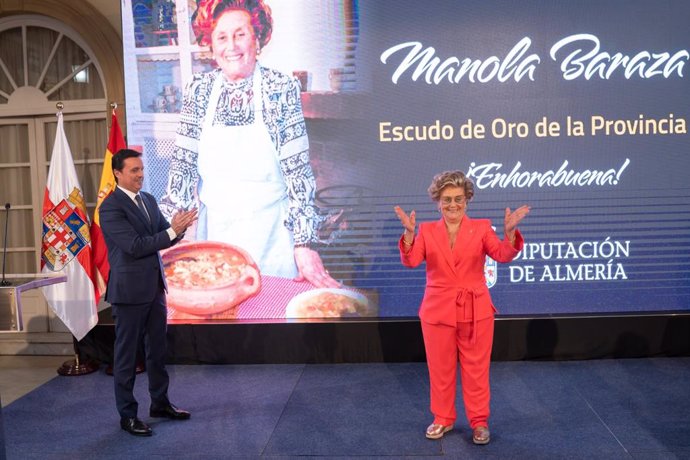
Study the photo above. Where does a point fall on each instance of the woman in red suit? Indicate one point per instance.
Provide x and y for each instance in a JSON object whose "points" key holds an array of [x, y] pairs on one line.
{"points": [[457, 314]]}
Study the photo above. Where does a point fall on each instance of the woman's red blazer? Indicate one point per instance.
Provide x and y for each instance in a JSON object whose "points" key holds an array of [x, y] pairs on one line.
{"points": [[456, 289]]}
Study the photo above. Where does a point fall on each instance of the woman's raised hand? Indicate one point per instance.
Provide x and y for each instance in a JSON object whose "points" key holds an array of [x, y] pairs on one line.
{"points": [[408, 221], [512, 219]]}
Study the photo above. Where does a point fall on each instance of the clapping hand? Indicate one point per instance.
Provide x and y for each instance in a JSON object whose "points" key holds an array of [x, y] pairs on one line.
{"points": [[181, 220]]}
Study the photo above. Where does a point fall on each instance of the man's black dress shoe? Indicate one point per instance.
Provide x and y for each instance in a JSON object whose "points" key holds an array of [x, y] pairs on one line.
{"points": [[135, 426], [169, 411]]}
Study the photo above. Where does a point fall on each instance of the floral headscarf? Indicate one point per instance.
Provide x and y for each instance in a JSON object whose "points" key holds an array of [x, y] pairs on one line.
{"points": [[208, 11]]}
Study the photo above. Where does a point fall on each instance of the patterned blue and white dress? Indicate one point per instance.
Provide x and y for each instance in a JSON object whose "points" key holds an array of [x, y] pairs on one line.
{"points": [[233, 105]]}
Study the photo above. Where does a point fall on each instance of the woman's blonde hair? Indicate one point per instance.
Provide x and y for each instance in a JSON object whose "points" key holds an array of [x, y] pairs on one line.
{"points": [[450, 179]]}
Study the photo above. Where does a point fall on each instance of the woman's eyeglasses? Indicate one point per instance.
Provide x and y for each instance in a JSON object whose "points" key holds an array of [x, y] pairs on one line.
{"points": [[460, 199]]}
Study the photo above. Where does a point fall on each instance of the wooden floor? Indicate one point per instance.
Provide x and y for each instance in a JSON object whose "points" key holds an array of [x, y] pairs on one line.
{"points": [[20, 375]]}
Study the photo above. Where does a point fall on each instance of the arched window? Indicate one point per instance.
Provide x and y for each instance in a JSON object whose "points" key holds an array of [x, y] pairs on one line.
{"points": [[42, 62]]}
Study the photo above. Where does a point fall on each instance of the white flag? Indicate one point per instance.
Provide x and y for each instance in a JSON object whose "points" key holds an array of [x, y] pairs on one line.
{"points": [[66, 242]]}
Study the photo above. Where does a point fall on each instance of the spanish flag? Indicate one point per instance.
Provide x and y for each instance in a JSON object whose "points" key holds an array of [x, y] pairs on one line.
{"points": [[100, 251]]}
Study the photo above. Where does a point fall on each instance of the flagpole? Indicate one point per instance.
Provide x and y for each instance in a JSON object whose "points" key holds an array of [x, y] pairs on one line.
{"points": [[63, 183]]}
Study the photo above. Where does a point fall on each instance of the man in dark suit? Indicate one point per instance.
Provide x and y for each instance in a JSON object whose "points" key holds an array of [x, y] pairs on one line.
{"points": [[134, 231]]}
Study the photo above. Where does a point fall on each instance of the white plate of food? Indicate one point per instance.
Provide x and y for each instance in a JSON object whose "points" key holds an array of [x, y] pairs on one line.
{"points": [[328, 303]]}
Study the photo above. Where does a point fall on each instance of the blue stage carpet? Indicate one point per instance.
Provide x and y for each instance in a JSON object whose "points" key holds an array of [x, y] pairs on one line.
{"points": [[604, 409]]}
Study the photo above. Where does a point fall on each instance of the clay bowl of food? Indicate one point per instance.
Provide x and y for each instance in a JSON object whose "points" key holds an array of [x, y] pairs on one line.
{"points": [[209, 277], [328, 303]]}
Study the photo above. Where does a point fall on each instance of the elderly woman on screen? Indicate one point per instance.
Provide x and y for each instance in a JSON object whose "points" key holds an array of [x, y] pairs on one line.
{"points": [[242, 151], [457, 314]]}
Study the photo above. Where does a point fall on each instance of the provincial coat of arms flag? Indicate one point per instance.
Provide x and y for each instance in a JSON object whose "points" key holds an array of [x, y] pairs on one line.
{"points": [[66, 243], [65, 234]]}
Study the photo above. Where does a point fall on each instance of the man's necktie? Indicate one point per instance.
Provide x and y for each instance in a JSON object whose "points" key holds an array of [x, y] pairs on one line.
{"points": [[140, 204]]}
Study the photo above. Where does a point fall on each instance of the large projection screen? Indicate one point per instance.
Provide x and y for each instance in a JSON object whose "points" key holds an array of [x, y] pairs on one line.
{"points": [[578, 109]]}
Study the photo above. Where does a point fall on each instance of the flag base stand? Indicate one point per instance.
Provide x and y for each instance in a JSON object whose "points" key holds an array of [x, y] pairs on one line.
{"points": [[76, 366]]}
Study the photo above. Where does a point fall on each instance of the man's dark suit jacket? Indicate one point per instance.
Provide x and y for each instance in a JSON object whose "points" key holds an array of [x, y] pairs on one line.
{"points": [[133, 244]]}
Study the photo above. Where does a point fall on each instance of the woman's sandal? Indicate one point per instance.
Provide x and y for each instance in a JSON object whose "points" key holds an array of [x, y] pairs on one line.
{"points": [[436, 431], [481, 435]]}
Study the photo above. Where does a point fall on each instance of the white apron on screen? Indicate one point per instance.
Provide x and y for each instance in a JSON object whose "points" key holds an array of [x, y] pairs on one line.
{"points": [[242, 188]]}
